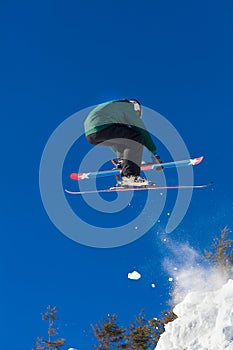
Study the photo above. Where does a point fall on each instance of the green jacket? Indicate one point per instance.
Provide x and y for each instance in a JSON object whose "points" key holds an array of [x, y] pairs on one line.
{"points": [[117, 112]]}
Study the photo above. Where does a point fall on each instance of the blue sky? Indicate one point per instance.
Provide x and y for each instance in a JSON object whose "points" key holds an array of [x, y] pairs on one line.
{"points": [[58, 58]]}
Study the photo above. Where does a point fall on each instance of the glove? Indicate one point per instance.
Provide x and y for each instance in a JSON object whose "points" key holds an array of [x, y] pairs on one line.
{"points": [[118, 163], [156, 160]]}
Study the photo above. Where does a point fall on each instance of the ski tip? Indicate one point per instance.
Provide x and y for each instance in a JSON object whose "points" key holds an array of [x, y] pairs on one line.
{"points": [[198, 160], [67, 191], [211, 183], [75, 176]]}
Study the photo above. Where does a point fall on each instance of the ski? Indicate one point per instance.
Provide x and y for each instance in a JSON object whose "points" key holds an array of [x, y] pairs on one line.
{"points": [[144, 167], [123, 189]]}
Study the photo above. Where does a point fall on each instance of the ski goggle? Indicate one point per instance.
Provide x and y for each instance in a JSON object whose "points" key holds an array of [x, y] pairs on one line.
{"points": [[137, 107]]}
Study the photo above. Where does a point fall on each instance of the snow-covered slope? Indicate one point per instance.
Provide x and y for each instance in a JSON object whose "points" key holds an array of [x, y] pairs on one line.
{"points": [[205, 322]]}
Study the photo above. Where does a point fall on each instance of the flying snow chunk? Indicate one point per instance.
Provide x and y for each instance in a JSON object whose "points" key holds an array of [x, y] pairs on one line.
{"points": [[134, 275], [153, 285], [72, 349]]}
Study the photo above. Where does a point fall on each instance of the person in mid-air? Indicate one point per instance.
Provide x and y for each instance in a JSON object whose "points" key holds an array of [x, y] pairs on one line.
{"points": [[118, 124]]}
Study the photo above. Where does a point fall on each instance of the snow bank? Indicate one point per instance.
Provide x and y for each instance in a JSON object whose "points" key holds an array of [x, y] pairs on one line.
{"points": [[205, 322]]}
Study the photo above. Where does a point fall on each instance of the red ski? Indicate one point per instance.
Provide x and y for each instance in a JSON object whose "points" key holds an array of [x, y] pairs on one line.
{"points": [[144, 167]]}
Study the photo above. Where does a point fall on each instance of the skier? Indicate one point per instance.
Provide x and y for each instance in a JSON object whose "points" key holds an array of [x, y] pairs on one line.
{"points": [[118, 124]]}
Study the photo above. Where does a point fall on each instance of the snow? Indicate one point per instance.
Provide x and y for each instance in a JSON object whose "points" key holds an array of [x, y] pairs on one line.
{"points": [[203, 296], [205, 321]]}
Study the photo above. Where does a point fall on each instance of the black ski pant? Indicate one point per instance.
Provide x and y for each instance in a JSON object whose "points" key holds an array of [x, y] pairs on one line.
{"points": [[126, 142]]}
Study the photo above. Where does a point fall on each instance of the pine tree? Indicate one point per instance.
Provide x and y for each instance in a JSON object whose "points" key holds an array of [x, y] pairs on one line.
{"points": [[108, 333], [221, 254], [158, 325], [141, 334], [50, 344]]}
